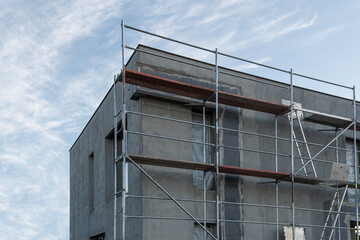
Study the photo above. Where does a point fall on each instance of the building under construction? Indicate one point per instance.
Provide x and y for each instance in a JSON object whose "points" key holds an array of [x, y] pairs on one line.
{"points": [[185, 149]]}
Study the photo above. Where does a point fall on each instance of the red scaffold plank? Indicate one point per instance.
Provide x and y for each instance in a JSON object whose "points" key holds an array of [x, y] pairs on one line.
{"points": [[286, 177], [166, 85], [252, 172], [201, 93]]}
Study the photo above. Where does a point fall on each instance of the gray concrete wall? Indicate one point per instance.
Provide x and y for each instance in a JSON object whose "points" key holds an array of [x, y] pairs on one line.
{"points": [[96, 138], [84, 223], [179, 183], [239, 189], [248, 189]]}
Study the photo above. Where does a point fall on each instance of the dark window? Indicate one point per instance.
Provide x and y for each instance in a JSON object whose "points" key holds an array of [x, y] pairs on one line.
{"points": [[109, 164], [353, 230], [98, 237], [119, 163], [91, 182]]}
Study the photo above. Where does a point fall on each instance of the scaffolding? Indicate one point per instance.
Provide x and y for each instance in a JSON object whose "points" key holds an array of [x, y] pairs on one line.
{"points": [[306, 174]]}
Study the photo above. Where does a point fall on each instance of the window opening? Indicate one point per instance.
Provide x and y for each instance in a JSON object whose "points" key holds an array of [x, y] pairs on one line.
{"points": [[91, 182], [198, 150], [98, 237], [199, 231], [350, 161], [353, 229], [109, 163]]}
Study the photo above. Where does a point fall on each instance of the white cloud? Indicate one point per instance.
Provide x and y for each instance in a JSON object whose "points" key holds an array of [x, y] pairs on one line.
{"points": [[38, 109], [42, 109]]}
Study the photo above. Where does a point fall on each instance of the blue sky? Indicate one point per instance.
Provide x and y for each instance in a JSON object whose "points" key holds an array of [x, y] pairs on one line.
{"points": [[58, 59]]}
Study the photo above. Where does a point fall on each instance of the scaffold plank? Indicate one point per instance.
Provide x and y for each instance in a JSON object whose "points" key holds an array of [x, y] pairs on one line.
{"points": [[202, 93], [171, 163], [317, 181], [252, 172], [329, 119], [281, 176]]}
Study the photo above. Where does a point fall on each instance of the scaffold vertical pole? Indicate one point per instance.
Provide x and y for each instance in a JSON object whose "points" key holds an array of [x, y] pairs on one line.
{"points": [[115, 158], [292, 153], [338, 197], [276, 184], [306, 143], [204, 160], [124, 140], [356, 167], [217, 145]]}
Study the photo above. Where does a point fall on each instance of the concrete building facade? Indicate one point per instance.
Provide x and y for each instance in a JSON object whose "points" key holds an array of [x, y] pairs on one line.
{"points": [[250, 194]]}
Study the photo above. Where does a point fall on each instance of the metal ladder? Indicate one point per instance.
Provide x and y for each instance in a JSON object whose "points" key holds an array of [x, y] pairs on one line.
{"points": [[300, 148], [331, 210]]}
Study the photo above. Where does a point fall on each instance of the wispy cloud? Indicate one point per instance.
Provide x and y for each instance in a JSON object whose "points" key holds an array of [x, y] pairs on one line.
{"points": [[43, 105], [274, 29], [57, 60], [324, 34], [231, 26], [38, 109], [248, 66]]}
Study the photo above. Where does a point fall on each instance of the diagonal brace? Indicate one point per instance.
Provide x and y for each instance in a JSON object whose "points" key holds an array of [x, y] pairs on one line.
{"points": [[171, 197], [311, 159], [338, 211], [306, 145]]}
